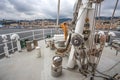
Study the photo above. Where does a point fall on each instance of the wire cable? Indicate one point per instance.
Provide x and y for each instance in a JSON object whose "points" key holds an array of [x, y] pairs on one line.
{"points": [[112, 67], [113, 14], [103, 73]]}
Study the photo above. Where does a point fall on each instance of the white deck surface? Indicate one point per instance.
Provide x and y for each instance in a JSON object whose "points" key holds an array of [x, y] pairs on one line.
{"points": [[25, 65]]}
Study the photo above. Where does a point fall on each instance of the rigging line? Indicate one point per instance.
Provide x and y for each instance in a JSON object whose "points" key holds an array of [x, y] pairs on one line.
{"points": [[82, 12], [113, 15], [112, 67], [95, 76], [94, 23], [91, 46], [96, 13], [101, 77], [98, 60], [93, 26], [99, 11], [87, 14], [76, 7], [102, 73]]}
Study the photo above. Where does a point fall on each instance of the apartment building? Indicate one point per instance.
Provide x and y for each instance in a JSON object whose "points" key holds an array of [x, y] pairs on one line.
{"points": [[34, 24], [106, 24]]}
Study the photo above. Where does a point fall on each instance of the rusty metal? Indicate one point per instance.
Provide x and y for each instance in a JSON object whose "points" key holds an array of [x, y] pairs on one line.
{"points": [[61, 43], [96, 1], [61, 51], [76, 40], [29, 45], [52, 45], [35, 42]]}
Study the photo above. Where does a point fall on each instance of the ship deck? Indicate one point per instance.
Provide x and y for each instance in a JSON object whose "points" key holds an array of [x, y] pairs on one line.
{"points": [[26, 66]]}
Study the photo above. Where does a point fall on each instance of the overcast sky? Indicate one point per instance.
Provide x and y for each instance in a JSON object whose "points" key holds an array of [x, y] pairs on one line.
{"points": [[37, 9]]}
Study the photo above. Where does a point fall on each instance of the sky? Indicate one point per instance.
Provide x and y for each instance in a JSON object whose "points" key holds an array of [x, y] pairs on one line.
{"points": [[44, 9]]}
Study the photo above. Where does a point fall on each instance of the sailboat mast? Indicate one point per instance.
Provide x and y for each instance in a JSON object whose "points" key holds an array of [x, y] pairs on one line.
{"points": [[58, 13]]}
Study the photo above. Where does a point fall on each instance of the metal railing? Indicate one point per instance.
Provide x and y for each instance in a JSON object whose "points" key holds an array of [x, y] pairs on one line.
{"points": [[38, 34]]}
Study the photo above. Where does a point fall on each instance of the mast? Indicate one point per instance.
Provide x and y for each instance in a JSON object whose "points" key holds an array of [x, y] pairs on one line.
{"points": [[76, 10], [83, 38], [86, 12], [58, 13]]}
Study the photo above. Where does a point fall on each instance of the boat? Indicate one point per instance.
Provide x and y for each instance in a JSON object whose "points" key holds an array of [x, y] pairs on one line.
{"points": [[74, 55]]}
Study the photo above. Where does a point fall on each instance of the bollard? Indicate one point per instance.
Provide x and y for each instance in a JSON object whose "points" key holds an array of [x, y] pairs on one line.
{"points": [[38, 52], [6, 51], [29, 46], [56, 68], [35, 42], [18, 45], [52, 45]]}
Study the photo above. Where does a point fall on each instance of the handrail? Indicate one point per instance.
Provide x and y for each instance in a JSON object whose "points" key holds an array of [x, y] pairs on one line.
{"points": [[27, 31], [31, 34]]}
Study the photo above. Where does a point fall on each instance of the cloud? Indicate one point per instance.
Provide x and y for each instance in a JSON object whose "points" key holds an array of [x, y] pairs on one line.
{"points": [[108, 7], [33, 9]]}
